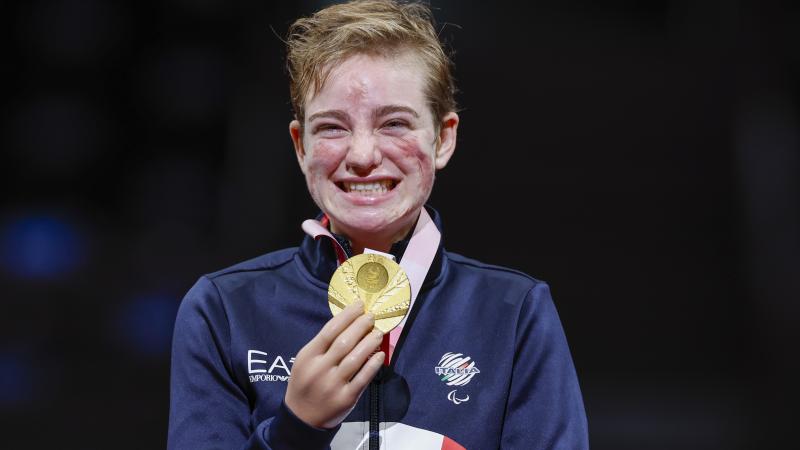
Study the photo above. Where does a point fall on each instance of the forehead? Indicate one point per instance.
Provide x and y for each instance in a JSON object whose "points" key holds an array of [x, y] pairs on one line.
{"points": [[361, 82]]}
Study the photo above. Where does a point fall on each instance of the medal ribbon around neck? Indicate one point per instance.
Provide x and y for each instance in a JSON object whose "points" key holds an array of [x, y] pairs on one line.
{"points": [[416, 262]]}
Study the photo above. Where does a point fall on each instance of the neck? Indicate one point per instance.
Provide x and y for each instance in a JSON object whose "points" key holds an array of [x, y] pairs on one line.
{"points": [[359, 246], [381, 241]]}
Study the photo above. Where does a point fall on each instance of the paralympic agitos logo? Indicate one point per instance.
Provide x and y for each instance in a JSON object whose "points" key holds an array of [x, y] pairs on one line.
{"points": [[456, 369]]}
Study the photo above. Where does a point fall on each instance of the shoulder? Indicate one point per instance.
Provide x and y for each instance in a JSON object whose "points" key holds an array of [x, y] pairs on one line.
{"points": [[266, 262], [490, 271], [251, 269], [524, 285], [210, 287]]}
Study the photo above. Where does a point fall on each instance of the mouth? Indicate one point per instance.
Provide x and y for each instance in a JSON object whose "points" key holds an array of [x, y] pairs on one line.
{"points": [[367, 189]]}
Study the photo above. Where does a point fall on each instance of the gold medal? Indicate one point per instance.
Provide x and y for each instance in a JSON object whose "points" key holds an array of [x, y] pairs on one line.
{"points": [[377, 281]]}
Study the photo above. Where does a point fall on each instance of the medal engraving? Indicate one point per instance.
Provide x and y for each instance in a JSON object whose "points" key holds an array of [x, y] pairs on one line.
{"points": [[377, 281], [372, 277]]}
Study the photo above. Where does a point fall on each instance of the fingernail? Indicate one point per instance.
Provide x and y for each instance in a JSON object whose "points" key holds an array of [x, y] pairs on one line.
{"points": [[357, 305]]}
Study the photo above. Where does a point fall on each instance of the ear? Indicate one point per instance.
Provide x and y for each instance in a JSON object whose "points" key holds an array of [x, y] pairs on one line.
{"points": [[447, 139], [296, 132]]}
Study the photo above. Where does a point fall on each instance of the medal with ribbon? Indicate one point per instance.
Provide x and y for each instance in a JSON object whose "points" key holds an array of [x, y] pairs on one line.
{"points": [[388, 289]]}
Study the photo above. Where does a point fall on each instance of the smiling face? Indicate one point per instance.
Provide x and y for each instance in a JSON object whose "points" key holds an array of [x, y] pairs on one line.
{"points": [[370, 146]]}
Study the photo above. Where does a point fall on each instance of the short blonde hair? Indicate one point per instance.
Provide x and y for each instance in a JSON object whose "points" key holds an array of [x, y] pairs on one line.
{"points": [[375, 27]]}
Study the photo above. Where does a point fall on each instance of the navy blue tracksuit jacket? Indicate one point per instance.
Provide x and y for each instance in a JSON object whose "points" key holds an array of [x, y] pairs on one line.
{"points": [[482, 362]]}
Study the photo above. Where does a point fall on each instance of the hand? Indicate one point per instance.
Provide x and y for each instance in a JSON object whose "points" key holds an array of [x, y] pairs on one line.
{"points": [[334, 368]]}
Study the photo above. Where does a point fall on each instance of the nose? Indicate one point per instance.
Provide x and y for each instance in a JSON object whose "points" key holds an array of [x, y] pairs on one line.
{"points": [[363, 155]]}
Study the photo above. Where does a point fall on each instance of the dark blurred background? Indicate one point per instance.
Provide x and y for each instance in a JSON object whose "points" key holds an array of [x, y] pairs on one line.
{"points": [[648, 151]]}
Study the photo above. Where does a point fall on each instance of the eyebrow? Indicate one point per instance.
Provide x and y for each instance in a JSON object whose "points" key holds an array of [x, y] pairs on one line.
{"points": [[389, 109], [332, 113], [382, 111]]}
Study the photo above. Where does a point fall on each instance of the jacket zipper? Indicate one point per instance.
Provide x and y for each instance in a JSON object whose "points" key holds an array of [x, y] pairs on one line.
{"points": [[374, 419]]}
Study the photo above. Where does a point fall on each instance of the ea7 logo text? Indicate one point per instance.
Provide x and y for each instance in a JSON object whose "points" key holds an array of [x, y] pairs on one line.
{"points": [[267, 369]]}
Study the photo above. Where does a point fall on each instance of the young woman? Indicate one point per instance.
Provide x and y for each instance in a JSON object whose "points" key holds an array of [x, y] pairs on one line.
{"points": [[481, 360]]}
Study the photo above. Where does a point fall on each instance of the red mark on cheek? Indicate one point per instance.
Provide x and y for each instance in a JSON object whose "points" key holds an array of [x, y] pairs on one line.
{"points": [[409, 147], [326, 155], [416, 159]]}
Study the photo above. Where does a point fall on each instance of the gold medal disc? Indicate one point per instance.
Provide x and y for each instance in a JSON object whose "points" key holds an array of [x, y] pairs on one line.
{"points": [[377, 281]]}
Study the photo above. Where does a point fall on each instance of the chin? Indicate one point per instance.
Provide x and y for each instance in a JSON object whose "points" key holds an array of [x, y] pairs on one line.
{"points": [[370, 222], [366, 225]]}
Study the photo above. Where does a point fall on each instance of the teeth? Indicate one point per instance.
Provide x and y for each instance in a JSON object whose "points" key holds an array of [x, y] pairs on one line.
{"points": [[379, 187]]}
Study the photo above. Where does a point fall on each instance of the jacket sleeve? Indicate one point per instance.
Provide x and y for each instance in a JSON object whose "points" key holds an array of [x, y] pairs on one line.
{"points": [[545, 408], [208, 408]]}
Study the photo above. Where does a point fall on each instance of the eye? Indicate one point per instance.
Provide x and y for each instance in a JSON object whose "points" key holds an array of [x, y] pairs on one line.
{"points": [[395, 124], [329, 130]]}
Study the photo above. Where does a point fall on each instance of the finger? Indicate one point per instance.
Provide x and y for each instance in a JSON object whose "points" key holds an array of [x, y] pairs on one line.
{"points": [[323, 340], [349, 338], [364, 376], [358, 356]]}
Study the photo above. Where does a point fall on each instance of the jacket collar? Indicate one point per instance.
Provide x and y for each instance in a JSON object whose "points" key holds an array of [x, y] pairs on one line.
{"points": [[319, 256]]}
